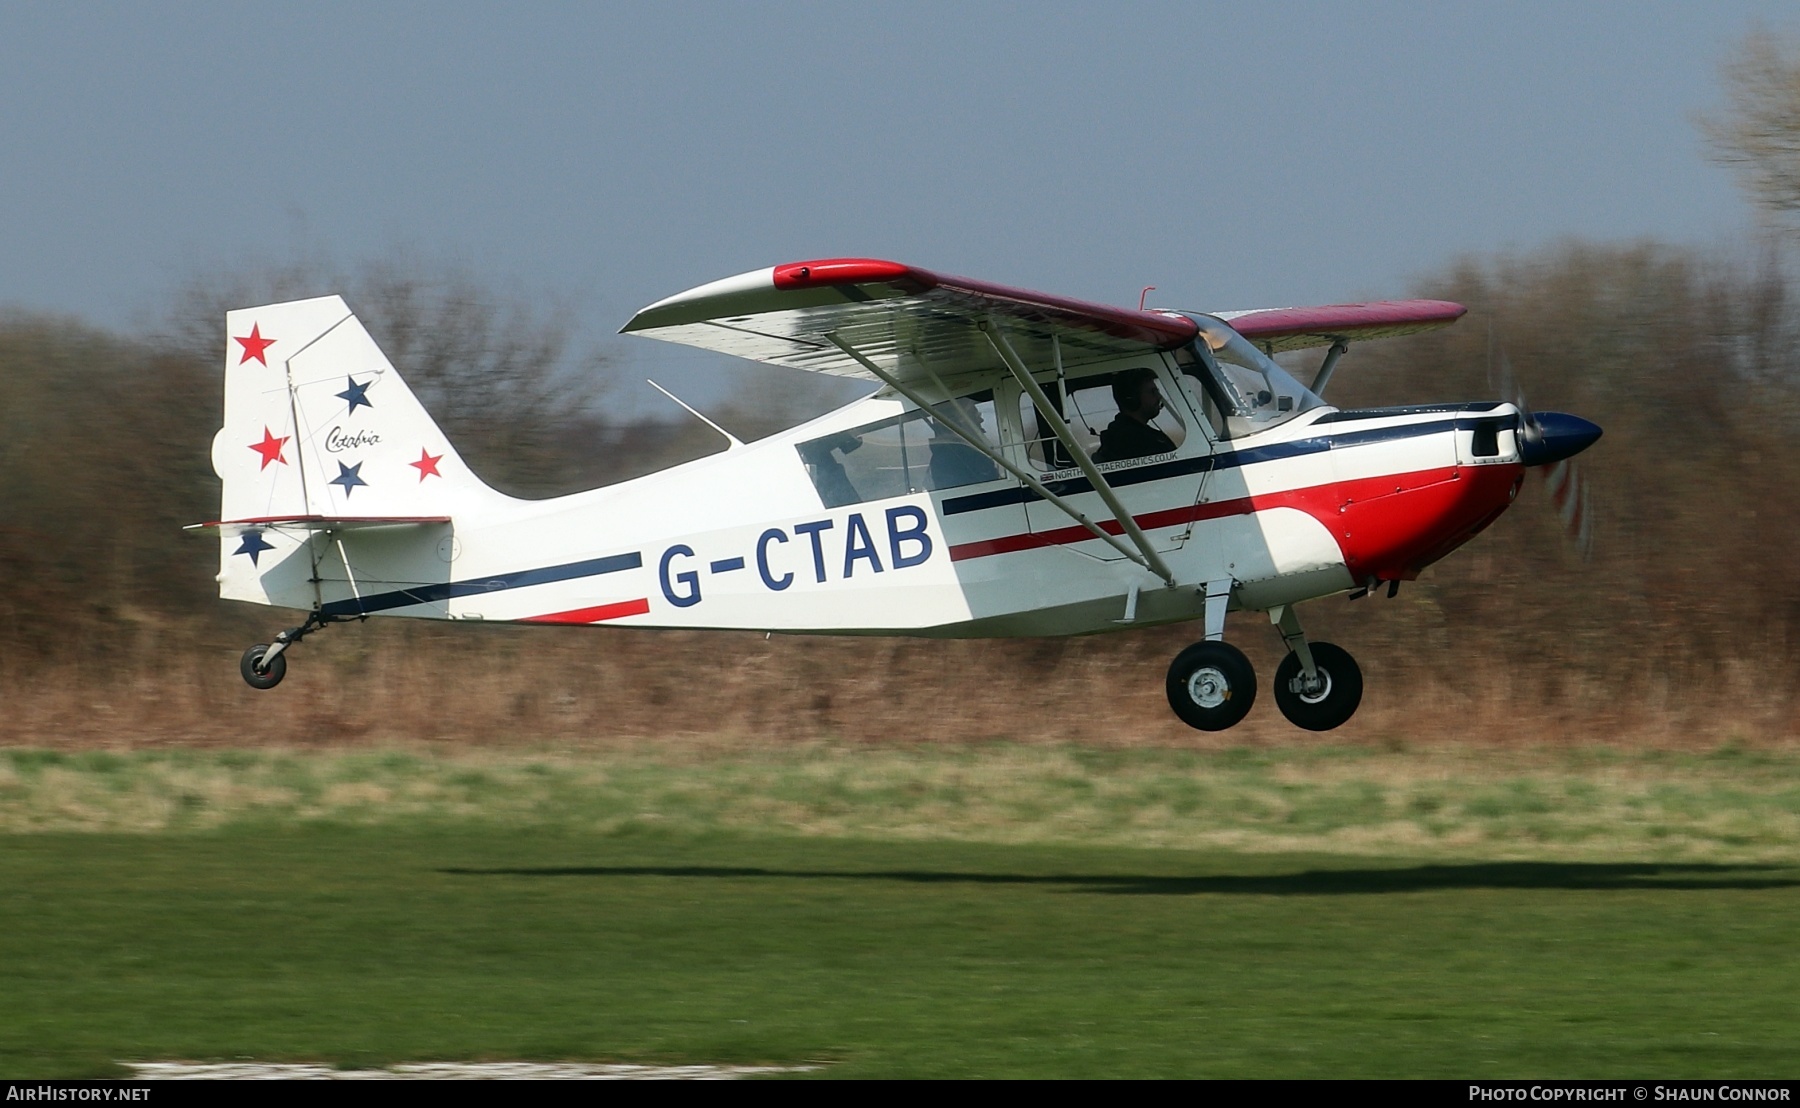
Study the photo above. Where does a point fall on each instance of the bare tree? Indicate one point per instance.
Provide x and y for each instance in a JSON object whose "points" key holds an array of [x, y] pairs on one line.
{"points": [[1758, 133]]}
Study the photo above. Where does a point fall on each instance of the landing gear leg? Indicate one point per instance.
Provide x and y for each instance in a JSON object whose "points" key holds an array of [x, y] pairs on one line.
{"points": [[1317, 686], [264, 665]]}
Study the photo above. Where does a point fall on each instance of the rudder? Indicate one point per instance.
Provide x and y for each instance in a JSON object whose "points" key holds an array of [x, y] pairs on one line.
{"points": [[318, 423]]}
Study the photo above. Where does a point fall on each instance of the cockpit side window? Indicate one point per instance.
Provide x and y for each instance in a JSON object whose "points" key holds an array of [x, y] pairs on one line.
{"points": [[1090, 409], [916, 451]]}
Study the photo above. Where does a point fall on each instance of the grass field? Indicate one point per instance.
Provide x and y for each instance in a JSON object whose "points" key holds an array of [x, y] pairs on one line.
{"points": [[954, 912], [1726, 804]]}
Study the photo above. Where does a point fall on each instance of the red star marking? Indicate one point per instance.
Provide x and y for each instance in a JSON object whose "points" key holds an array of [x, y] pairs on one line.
{"points": [[427, 464], [254, 345], [270, 447]]}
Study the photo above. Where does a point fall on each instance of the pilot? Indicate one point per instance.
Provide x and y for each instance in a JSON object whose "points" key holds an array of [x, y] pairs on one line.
{"points": [[953, 461], [1130, 434]]}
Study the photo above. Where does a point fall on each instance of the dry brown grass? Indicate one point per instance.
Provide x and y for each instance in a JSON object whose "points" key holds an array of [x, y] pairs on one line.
{"points": [[381, 683]]}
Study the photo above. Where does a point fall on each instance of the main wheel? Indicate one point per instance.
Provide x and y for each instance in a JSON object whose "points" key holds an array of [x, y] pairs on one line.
{"points": [[255, 675], [1333, 698], [1211, 685]]}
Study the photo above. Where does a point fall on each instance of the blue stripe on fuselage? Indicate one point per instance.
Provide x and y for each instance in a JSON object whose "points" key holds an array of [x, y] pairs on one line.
{"points": [[1232, 459], [431, 594]]}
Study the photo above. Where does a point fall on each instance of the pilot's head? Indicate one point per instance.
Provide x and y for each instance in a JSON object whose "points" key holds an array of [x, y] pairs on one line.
{"points": [[962, 411], [1135, 392]]}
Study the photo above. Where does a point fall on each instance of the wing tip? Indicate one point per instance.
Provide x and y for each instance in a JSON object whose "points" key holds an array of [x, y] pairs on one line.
{"points": [[826, 272], [760, 290], [1372, 314]]}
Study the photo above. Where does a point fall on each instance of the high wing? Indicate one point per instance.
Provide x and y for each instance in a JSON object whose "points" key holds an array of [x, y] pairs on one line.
{"points": [[909, 318], [1277, 329], [914, 322]]}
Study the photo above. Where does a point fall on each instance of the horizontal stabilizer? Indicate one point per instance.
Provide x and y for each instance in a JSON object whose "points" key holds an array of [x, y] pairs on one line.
{"points": [[232, 527]]}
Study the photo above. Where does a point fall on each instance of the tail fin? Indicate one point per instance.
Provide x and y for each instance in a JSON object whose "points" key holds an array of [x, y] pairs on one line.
{"points": [[318, 424]]}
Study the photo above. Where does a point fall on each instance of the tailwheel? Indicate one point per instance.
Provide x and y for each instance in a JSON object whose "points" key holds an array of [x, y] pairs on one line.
{"points": [[1211, 686], [259, 675], [265, 664], [1329, 699]]}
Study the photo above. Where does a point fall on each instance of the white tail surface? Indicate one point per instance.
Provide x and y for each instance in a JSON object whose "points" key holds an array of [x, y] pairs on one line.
{"points": [[319, 424]]}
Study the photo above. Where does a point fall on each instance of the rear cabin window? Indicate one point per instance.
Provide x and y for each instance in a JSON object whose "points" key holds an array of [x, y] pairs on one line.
{"points": [[1088, 410], [909, 453]]}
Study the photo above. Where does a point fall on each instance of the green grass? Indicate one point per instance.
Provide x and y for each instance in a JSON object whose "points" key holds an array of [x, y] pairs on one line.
{"points": [[938, 911], [374, 945], [1727, 805]]}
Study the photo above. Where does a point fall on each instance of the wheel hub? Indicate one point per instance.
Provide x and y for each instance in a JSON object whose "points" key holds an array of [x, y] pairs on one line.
{"points": [[1314, 691], [1208, 687]]}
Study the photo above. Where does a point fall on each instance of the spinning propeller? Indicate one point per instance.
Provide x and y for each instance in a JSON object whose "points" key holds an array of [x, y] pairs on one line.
{"points": [[1548, 442]]}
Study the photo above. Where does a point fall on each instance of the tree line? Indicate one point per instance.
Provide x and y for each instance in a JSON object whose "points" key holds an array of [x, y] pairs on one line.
{"points": [[1688, 357]]}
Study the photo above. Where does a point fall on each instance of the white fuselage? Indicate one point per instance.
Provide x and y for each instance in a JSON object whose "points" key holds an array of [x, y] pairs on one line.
{"points": [[741, 539]]}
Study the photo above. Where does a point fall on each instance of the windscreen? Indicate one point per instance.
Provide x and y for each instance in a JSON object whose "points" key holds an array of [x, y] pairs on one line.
{"points": [[1251, 392]]}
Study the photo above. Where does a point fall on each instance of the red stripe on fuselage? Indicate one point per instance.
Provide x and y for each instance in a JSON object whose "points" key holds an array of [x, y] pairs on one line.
{"points": [[1062, 536], [1390, 526], [594, 615]]}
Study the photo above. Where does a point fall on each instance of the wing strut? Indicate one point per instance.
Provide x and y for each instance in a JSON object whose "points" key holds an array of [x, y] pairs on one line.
{"points": [[1151, 559], [992, 455], [1338, 347]]}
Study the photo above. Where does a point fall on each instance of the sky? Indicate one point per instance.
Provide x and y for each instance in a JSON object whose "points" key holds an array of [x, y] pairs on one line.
{"points": [[606, 155]]}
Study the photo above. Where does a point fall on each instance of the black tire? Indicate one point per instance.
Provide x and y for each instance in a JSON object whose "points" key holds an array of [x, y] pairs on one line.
{"points": [[1331, 706], [258, 678], [1211, 686]]}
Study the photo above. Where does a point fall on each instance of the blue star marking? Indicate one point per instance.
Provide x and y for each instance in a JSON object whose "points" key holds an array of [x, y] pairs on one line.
{"points": [[356, 394], [348, 476], [253, 545]]}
